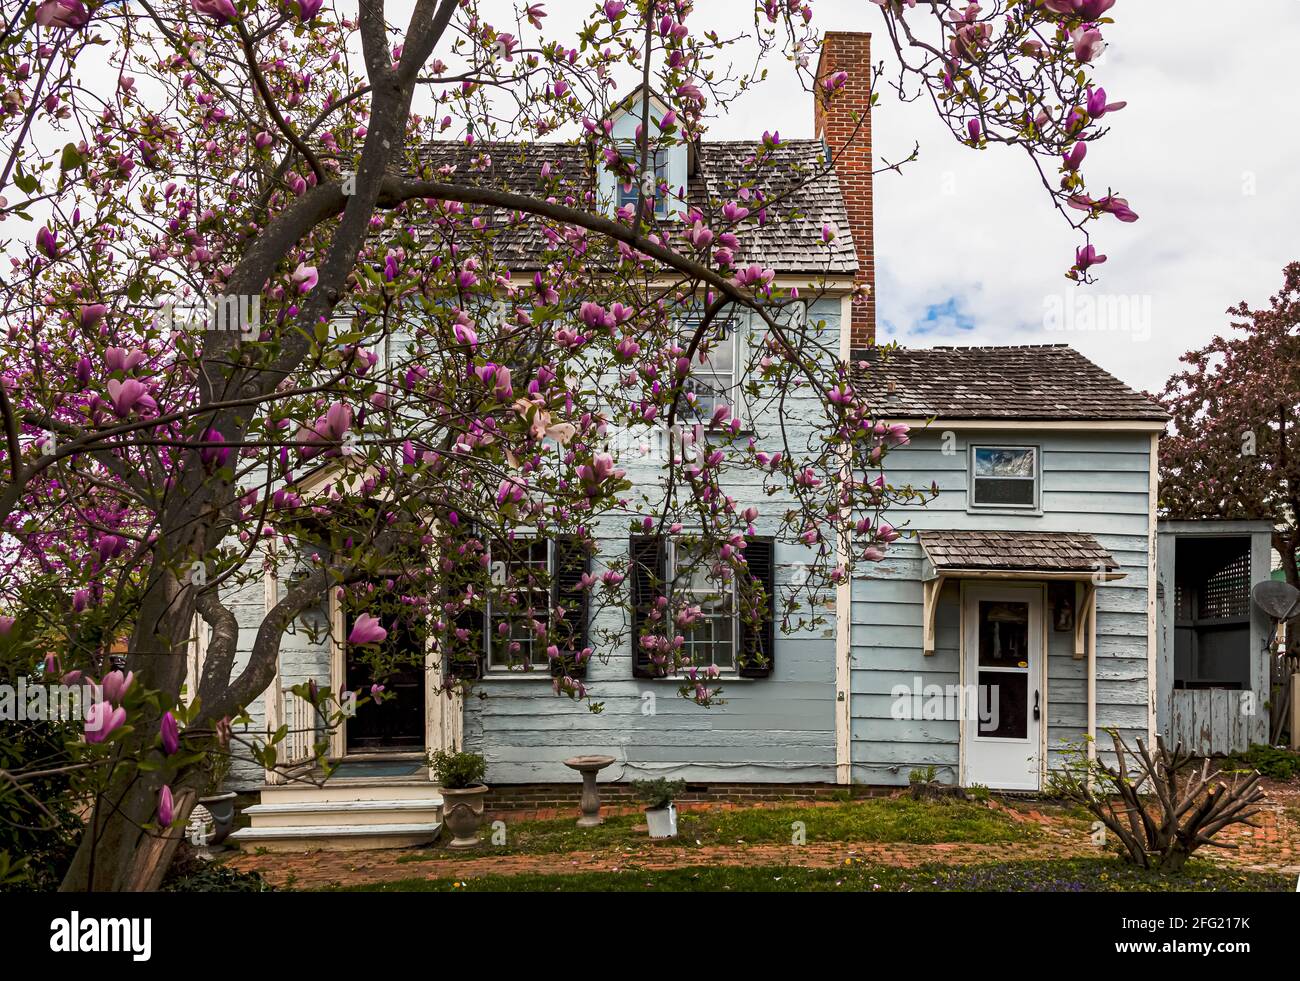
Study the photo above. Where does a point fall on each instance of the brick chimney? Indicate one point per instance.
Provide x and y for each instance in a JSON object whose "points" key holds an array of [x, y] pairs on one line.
{"points": [[845, 125]]}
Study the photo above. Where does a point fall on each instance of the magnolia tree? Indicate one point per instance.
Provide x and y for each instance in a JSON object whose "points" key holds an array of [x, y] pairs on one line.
{"points": [[255, 243], [1235, 447]]}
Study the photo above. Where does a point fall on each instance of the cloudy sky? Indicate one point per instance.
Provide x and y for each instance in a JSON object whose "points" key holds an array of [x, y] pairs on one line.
{"points": [[969, 251]]}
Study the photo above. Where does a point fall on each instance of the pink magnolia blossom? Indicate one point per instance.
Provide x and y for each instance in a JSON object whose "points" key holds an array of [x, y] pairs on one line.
{"points": [[64, 14], [170, 732], [128, 396], [1098, 106], [92, 314], [120, 359], [1074, 158], [305, 277], [6, 625], [101, 719], [166, 806], [46, 242], [219, 10], [116, 685], [367, 630], [1088, 43], [307, 9], [1086, 256]]}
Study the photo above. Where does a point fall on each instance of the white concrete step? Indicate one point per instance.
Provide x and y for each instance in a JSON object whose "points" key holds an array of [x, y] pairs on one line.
{"points": [[349, 790], [336, 838], [332, 813]]}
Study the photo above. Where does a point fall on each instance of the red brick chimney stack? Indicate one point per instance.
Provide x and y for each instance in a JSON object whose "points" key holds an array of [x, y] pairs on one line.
{"points": [[845, 125]]}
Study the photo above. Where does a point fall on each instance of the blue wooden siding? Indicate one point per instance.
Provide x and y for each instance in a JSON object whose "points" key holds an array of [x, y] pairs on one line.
{"points": [[775, 729], [1091, 482]]}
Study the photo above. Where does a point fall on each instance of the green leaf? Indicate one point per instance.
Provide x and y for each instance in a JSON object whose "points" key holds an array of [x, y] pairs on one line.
{"points": [[71, 158]]}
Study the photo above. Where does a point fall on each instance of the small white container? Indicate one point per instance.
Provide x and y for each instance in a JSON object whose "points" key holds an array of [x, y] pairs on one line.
{"points": [[662, 821]]}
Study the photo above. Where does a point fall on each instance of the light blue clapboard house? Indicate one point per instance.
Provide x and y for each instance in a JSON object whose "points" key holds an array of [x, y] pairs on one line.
{"points": [[1029, 575]]}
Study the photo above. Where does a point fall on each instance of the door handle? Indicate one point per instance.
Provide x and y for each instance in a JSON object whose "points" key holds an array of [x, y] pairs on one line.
{"points": [[1037, 712]]}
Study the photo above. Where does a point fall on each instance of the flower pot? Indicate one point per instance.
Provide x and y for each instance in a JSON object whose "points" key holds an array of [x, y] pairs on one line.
{"points": [[462, 812], [662, 821], [222, 809]]}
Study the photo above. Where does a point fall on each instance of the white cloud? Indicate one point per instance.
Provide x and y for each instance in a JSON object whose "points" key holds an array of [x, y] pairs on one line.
{"points": [[1209, 112]]}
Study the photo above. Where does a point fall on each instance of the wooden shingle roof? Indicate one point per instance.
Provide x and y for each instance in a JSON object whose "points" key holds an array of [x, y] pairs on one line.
{"points": [[1016, 551], [804, 188], [1043, 382]]}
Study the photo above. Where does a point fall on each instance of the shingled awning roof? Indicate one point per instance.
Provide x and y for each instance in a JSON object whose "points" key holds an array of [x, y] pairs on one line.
{"points": [[1028, 382], [805, 189], [1057, 552]]}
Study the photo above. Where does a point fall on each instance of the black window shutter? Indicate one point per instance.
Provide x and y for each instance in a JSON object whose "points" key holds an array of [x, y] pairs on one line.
{"points": [[646, 574], [758, 638], [572, 562], [464, 659]]}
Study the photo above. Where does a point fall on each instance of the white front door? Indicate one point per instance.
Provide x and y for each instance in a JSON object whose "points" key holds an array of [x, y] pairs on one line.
{"points": [[1003, 650]]}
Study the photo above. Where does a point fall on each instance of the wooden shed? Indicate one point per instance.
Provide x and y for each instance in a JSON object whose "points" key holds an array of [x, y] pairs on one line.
{"points": [[1212, 677]]}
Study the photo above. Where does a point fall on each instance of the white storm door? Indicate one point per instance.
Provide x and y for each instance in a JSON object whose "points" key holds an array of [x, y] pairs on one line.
{"points": [[1003, 648]]}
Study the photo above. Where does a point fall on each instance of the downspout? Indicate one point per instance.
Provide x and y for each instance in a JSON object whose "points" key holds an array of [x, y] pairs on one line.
{"points": [[844, 606], [1092, 676]]}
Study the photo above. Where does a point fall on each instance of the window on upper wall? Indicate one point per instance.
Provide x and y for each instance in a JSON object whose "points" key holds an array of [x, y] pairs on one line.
{"points": [[627, 194], [713, 380], [1004, 477]]}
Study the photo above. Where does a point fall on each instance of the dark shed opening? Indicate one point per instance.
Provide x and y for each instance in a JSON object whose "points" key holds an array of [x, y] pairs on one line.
{"points": [[1212, 619]]}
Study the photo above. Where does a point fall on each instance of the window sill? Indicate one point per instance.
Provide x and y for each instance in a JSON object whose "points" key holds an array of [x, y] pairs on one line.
{"points": [[538, 675]]}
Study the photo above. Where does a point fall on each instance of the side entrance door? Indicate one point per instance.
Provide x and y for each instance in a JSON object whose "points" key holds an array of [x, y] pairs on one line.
{"points": [[1003, 651]]}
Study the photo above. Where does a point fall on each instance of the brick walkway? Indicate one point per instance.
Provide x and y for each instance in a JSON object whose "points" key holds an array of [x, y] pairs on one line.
{"points": [[1275, 846]]}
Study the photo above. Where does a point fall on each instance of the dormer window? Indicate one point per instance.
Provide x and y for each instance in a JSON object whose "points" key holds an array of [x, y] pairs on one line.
{"points": [[670, 162], [630, 192]]}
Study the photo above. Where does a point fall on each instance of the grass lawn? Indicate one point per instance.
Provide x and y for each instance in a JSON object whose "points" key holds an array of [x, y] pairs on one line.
{"points": [[898, 819], [1066, 875]]}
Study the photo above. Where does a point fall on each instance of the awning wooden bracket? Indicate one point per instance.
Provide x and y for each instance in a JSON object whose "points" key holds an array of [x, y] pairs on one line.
{"points": [[930, 610], [1085, 598]]}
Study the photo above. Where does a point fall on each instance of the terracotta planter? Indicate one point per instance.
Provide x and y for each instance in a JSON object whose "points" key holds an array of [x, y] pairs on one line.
{"points": [[462, 812]]}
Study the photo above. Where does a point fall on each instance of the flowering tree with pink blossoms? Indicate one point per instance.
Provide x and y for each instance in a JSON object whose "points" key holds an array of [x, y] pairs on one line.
{"points": [[259, 315]]}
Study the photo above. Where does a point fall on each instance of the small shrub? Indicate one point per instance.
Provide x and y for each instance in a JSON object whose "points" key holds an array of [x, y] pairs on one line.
{"points": [[929, 775], [200, 875], [1273, 762], [457, 771], [658, 793], [1160, 813]]}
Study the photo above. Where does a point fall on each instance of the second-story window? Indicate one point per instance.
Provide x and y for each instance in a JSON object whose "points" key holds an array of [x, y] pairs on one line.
{"points": [[629, 193], [714, 365], [1004, 477]]}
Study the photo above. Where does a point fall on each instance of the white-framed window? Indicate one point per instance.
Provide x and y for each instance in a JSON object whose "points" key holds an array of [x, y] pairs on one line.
{"points": [[1004, 477], [628, 194], [715, 636], [714, 378], [519, 604]]}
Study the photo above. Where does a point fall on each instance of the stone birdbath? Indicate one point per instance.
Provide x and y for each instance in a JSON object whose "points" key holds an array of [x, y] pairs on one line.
{"points": [[589, 766]]}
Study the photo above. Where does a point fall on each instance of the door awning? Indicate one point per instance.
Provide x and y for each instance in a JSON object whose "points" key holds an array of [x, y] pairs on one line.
{"points": [[1018, 555], [1036, 556]]}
